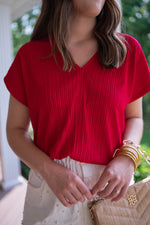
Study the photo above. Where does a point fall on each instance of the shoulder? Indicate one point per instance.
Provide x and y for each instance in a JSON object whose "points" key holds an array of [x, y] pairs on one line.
{"points": [[130, 39], [36, 48], [134, 49], [131, 43]]}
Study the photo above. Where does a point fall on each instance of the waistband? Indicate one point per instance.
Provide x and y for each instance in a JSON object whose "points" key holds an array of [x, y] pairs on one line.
{"points": [[84, 170]]}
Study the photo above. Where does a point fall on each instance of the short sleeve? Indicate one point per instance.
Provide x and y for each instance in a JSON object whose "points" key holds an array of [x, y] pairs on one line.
{"points": [[141, 75], [14, 80]]}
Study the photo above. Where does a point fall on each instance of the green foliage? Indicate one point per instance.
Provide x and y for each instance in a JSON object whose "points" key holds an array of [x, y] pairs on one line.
{"points": [[23, 27], [146, 138], [18, 40], [136, 22], [25, 170], [146, 107], [143, 169]]}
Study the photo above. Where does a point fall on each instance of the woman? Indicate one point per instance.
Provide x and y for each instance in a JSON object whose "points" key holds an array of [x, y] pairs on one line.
{"points": [[81, 84]]}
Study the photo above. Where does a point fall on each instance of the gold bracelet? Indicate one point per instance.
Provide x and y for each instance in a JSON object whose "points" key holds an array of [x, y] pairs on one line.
{"points": [[136, 158], [123, 148], [129, 146], [130, 155], [143, 153], [127, 152], [131, 149]]}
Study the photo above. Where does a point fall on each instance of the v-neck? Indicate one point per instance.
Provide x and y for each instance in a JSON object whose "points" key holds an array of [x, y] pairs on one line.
{"points": [[87, 63]]}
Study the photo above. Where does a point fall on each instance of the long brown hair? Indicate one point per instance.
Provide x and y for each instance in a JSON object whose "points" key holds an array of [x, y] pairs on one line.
{"points": [[54, 21]]}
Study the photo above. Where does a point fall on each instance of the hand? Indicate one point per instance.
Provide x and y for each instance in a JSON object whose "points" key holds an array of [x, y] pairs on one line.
{"points": [[66, 185], [115, 179]]}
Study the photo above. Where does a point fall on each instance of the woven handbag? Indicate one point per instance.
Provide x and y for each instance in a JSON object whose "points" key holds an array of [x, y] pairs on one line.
{"points": [[133, 209]]}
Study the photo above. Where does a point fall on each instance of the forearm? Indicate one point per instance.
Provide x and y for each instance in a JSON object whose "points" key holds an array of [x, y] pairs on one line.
{"points": [[23, 146], [133, 130]]}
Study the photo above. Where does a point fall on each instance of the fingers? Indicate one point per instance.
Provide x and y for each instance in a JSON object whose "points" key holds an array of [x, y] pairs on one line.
{"points": [[102, 183], [74, 193], [122, 193], [80, 190], [109, 189], [64, 201], [111, 185], [78, 195], [70, 198], [74, 197], [114, 192], [85, 191]]}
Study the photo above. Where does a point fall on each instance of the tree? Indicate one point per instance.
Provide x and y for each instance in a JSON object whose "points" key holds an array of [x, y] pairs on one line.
{"points": [[136, 22], [23, 27]]}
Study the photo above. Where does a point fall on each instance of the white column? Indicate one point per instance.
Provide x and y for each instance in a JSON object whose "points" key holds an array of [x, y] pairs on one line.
{"points": [[119, 27], [10, 162], [119, 1]]}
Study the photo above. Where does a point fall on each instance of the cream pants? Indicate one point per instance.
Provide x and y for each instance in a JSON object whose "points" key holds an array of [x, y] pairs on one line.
{"points": [[43, 207]]}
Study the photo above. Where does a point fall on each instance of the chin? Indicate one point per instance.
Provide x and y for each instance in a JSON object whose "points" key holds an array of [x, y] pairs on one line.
{"points": [[88, 8], [94, 8], [93, 12]]}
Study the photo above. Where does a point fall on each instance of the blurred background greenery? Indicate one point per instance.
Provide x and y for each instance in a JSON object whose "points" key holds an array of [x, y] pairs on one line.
{"points": [[136, 22]]}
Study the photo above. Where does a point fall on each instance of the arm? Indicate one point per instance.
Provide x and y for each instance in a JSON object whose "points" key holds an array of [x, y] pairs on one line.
{"points": [[119, 171], [134, 121], [61, 180], [20, 141]]}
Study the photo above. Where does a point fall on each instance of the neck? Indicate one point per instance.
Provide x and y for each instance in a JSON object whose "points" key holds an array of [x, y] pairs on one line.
{"points": [[81, 28]]}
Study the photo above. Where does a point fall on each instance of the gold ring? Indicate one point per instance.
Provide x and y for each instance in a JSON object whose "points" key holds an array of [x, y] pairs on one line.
{"points": [[117, 191]]}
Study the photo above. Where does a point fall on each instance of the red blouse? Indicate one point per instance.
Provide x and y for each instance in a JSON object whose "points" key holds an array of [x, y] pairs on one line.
{"points": [[78, 113]]}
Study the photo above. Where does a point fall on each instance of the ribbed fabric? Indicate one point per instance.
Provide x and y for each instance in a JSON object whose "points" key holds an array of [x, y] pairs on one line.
{"points": [[80, 113]]}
